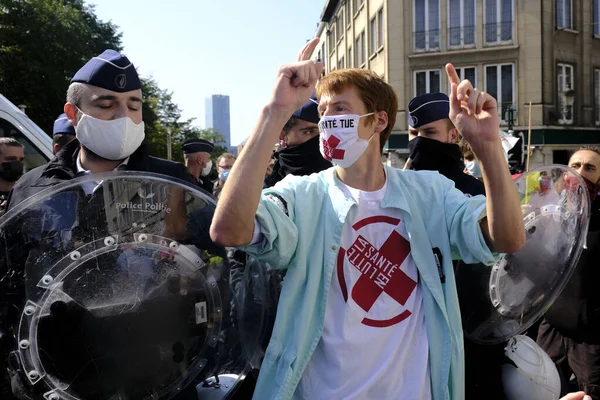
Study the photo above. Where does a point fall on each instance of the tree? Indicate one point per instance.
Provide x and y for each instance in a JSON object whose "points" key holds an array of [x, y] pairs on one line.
{"points": [[160, 113], [42, 44]]}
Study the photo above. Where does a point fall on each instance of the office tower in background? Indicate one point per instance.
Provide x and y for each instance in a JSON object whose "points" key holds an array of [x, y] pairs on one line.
{"points": [[217, 117]]}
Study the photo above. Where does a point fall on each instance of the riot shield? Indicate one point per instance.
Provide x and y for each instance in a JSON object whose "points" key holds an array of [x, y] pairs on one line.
{"points": [[118, 292], [504, 300], [257, 299]]}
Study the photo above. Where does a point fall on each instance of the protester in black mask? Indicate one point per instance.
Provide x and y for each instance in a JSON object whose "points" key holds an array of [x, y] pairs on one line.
{"points": [[570, 330], [11, 167], [299, 146], [433, 142]]}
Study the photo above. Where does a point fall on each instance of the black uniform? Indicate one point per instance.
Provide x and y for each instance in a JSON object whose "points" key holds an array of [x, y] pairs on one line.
{"points": [[63, 168], [483, 363]]}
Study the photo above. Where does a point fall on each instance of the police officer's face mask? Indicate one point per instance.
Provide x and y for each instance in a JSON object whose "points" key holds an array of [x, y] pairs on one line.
{"points": [[11, 171], [115, 140], [207, 168]]}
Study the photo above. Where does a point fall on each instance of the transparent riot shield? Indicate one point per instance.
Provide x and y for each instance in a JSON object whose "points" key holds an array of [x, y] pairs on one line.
{"points": [[257, 299], [504, 300], [118, 292]]}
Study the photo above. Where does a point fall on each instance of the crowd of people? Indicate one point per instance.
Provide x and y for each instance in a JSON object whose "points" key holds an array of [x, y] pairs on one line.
{"points": [[368, 307]]}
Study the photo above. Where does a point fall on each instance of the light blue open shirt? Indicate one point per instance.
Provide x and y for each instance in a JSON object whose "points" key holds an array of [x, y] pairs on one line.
{"points": [[436, 215]]}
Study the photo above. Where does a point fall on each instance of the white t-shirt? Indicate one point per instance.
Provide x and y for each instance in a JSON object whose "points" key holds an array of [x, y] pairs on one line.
{"points": [[374, 343]]}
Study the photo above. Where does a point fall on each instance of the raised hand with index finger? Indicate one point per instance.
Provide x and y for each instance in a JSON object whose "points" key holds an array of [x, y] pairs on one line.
{"points": [[296, 82], [473, 112]]}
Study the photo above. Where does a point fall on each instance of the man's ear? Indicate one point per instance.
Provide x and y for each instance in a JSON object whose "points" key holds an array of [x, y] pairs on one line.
{"points": [[381, 122], [55, 148], [71, 113], [454, 135]]}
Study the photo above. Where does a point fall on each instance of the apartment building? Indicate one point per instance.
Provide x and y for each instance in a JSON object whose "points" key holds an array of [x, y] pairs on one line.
{"points": [[543, 52]]}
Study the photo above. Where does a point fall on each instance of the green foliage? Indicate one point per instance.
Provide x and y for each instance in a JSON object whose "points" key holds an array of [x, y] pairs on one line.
{"points": [[42, 44], [160, 113]]}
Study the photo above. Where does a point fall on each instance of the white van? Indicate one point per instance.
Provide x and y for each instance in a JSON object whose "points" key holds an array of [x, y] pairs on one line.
{"points": [[14, 123]]}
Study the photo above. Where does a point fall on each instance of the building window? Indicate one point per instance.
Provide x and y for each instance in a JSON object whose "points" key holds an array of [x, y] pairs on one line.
{"points": [[461, 23], [565, 86], [380, 35], [373, 35], [469, 73], [341, 64], [564, 12], [348, 13], [597, 18], [349, 57], [360, 49], [500, 83], [426, 18], [499, 19], [356, 4], [376, 32], [332, 39], [428, 81], [339, 24], [597, 96]]}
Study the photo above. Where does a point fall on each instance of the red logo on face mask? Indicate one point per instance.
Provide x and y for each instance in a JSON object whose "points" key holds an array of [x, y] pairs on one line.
{"points": [[329, 149]]}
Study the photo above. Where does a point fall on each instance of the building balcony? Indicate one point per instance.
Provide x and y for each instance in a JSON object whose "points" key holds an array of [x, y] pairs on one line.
{"points": [[425, 41], [498, 33], [461, 37]]}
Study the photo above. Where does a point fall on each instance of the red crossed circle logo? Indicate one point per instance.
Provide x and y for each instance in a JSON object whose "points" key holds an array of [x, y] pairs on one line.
{"points": [[329, 148], [380, 271]]}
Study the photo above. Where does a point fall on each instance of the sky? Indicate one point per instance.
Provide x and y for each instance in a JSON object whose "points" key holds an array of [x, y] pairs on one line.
{"points": [[196, 48]]}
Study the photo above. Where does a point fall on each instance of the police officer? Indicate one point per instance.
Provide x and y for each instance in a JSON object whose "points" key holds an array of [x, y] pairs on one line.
{"points": [[63, 133], [104, 105], [11, 167], [197, 154], [298, 152], [433, 142], [433, 146]]}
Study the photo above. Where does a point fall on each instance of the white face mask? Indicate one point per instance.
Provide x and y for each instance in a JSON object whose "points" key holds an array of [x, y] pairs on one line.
{"points": [[339, 141], [473, 168], [114, 140], [206, 170]]}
